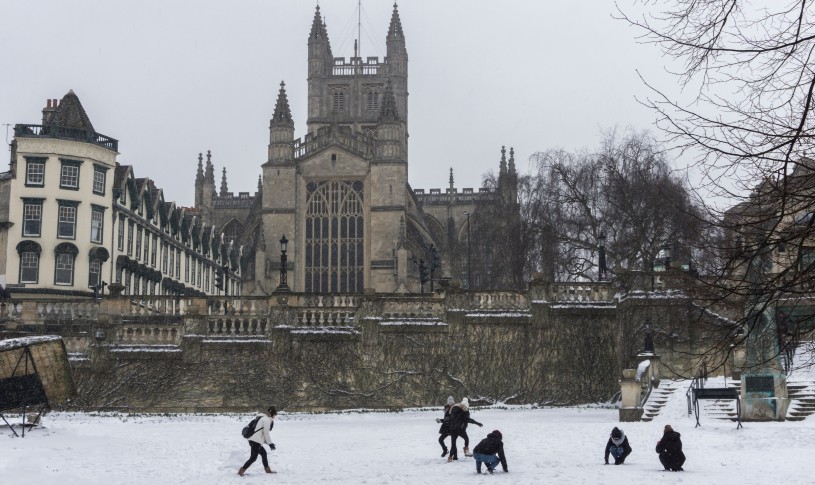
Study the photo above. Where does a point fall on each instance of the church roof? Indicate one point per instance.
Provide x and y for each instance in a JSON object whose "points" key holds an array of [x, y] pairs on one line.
{"points": [[71, 114]]}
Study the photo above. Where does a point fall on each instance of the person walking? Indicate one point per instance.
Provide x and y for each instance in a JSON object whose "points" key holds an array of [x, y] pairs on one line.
{"points": [[490, 451], [259, 438], [459, 418], [670, 450], [618, 446], [444, 429]]}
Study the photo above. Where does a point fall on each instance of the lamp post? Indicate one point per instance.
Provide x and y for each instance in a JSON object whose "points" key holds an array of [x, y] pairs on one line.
{"points": [[283, 287], [469, 278], [601, 263]]}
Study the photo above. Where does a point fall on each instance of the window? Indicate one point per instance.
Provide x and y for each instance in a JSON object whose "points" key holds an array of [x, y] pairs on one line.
{"points": [[130, 238], [69, 178], [99, 176], [334, 260], [35, 172], [186, 268], [146, 257], [121, 234], [177, 263], [32, 217], [126, 283], [29, 267], [172, 253], [807, 259], [164, 256], [66, 222], [338, 100], [153, 254], [94, 272], [136, 285], [64, 270], [138, 242], [97, 224], [372, 100], [193, 271], [206, 279]]}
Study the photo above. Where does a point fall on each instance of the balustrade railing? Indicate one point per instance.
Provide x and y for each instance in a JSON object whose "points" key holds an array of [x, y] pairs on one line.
{"points": [[579, 293], [157, 305], [63, 132], [136, 334]]}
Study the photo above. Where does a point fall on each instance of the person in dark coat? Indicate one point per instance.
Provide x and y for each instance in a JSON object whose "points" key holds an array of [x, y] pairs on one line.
{"points": [[490, 451], [444, 429], [459, 417], [618, 446], [670, 450]]}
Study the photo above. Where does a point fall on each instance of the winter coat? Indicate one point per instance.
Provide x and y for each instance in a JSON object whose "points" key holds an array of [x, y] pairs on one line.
{"points": [[262, 429], [492, 445], [624, 444], [459, 417], [670, 450], [445, 421]]}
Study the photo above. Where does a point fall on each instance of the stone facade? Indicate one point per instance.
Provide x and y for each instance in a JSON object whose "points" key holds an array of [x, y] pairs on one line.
{"points": [[340, 194]]}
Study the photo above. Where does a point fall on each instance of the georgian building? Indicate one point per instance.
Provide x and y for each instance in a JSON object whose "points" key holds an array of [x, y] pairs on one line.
{"points": [[72, 220]]}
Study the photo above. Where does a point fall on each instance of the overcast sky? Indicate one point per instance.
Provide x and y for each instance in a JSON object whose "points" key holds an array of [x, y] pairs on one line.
{"points": [[170, 79]]}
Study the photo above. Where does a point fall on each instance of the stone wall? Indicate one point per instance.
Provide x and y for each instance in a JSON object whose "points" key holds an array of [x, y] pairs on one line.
{"points": [[553, 345]]}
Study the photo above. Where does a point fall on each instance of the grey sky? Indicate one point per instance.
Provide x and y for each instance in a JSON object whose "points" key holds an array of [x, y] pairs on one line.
{"points": [[172, 79]]}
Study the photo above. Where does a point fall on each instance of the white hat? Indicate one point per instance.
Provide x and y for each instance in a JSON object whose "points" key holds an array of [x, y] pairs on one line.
{"points": [[465, 402], [450, 400]]}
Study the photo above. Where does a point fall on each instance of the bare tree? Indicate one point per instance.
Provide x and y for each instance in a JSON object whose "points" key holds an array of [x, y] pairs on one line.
{"points": [[746, 128]]}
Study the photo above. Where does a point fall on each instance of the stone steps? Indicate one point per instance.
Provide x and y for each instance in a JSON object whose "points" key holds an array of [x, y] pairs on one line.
{"points": [[656, 401], [802, 400]]}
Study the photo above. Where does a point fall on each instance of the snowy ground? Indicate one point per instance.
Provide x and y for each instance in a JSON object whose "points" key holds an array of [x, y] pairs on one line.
{"points": [[562, 445]]}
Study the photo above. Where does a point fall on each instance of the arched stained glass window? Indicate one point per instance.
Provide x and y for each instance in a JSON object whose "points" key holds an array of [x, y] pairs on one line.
{"points": [[334, 237]]}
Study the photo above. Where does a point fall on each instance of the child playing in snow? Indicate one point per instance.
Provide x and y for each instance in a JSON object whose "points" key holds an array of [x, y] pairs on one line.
{"points": [[490, 451], [444, 429], [618, 446]]}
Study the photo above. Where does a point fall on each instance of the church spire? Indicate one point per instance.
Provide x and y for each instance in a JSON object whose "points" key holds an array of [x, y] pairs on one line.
{"points": [[210, 174], [199, 175], [395, 28], [260, 184], [224, 187], [389, 111], [282, 111], [451, 179], [511, 161], [318, 27], [503, 165]]}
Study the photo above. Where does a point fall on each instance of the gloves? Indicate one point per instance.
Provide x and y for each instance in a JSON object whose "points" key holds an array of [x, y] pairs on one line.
{"points": [[480, 425], [272, 446]]}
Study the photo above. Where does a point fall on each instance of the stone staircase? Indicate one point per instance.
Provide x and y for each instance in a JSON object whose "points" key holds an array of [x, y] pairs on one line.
{"points": [[802, 400], [657, 400]]}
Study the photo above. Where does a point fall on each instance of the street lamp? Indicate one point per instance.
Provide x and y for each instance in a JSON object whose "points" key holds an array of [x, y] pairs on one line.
{"points": [[601, 263], [469, 278], [283, 287]]}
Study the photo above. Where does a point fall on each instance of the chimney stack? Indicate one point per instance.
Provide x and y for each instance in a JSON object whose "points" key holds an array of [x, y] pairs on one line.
{"points": [[48, 111]]}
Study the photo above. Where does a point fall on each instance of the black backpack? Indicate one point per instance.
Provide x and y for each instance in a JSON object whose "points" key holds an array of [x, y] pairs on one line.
{"points": [[250, 428]]}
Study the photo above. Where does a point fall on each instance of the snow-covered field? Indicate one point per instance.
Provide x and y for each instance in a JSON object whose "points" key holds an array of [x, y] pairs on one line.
{"points": [[561, 445]]}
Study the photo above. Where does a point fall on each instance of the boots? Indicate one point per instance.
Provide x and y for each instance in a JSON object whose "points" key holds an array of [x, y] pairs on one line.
{"points": [[450, 459], [444, 452], [268, 470], [241, 471], [466, 451]]}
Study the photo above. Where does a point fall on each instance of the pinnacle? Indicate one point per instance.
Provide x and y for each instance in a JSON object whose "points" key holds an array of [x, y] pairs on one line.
{"points": [[282, 111], [395, 28]]}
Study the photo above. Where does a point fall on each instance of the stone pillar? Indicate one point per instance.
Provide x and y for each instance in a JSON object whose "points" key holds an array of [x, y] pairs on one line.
{"points": [[631, 391]]}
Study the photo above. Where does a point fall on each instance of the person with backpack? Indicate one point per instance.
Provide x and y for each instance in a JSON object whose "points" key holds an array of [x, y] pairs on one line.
{"points": [[490, 451], [444, 429], [670, 450], [459, 417], [258, 436], [618, 446]]}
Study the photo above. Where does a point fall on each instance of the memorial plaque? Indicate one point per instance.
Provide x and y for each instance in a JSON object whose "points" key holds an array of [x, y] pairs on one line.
{"points": [[760, 384]]}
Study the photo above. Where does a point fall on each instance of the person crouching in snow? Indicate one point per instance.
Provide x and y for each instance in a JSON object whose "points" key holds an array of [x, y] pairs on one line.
{"points": [[490, 451], [459, 417], [670, 450], [259, 438], [618, 446], [444, 429]]}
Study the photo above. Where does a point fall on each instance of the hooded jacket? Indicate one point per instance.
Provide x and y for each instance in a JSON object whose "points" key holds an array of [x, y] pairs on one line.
{"points": [[622, 440], [492, 445], [459, 417]]}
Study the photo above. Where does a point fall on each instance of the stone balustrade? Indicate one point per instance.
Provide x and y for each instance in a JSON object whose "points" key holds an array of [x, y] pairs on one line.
{"points": [[579, 293]]}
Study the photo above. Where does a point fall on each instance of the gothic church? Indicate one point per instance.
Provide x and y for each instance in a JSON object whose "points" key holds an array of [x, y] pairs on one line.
{"points": [[340, 194]]}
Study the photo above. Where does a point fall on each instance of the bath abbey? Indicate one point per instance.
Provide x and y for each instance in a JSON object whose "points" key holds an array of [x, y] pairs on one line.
{"points": [[341, 195]]}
